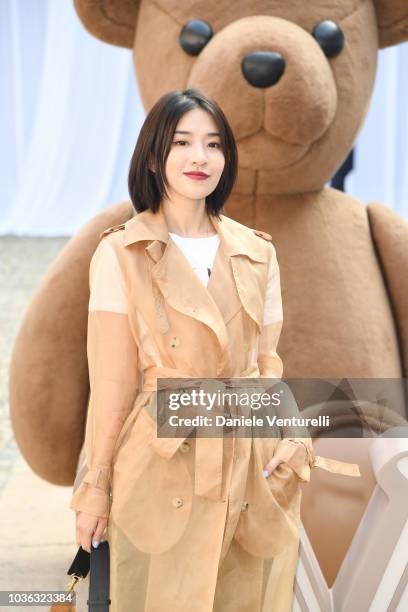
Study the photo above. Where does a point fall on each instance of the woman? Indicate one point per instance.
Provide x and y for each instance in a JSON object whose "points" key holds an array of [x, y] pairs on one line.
{"points": [[181, 291]]}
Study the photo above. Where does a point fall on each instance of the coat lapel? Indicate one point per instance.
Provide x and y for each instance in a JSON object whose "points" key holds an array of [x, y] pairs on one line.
{"points": [[184, 291], [234, 281], [239, 274]]}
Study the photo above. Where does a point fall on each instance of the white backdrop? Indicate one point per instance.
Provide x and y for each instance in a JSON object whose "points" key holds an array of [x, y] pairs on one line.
{"points": [[70, 113]]}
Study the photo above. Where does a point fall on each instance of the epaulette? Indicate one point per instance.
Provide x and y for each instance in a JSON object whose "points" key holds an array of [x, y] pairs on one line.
{"points": [[263, 235], [114, 228]]}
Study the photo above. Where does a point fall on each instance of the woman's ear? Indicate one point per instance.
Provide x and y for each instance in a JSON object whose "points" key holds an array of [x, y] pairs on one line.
{"points": [[392, 19], [151, 165]]}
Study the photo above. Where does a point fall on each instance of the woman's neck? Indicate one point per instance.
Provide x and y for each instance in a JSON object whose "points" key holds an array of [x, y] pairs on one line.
{"points": [[186, 220]]}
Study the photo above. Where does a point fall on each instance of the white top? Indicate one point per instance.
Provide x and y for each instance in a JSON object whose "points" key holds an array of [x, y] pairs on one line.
{"points": [[109, 290], [200, 252]]}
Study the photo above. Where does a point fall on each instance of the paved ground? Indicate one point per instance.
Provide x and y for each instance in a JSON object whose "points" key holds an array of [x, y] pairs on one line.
{"points": [[37, 530]]}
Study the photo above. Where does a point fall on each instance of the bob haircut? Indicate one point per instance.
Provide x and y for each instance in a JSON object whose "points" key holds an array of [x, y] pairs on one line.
{"points": [[147, 188]]}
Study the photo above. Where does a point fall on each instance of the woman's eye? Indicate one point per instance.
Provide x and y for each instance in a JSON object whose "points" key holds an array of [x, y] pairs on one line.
{"points": [[217, 144]]}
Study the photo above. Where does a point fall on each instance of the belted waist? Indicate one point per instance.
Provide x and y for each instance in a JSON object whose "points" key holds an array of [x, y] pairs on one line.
{"points": [[209, 451], [153, 373]]}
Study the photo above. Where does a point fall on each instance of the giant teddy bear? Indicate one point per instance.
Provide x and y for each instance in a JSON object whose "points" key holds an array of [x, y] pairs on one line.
{"points": [[295, 81]]}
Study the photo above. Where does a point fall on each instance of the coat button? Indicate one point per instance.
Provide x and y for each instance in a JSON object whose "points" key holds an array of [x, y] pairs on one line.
{"points": [[177, 502], [244, 506], [175, 341], [184, 447]]}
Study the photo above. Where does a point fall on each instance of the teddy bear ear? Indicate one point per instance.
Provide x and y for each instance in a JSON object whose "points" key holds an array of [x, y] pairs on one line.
{"points": [[392, 17], [113, 21]]}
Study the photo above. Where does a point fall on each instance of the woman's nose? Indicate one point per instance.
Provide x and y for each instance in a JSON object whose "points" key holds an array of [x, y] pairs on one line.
{"points": [[198, 155]]}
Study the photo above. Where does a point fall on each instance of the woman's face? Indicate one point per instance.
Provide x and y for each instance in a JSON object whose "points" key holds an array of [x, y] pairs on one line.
{"points": [[195, 148]]}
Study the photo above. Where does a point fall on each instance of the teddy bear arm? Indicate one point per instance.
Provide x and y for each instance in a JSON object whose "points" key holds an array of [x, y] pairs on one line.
{"points": [[390, 236]]}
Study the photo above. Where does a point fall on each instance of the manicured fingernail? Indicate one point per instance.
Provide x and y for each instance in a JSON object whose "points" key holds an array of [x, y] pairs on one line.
{"points": [[265, 473], [95, 544]]}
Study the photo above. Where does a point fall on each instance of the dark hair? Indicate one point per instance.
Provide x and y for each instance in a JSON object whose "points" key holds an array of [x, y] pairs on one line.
{"points": [[147, 188]]}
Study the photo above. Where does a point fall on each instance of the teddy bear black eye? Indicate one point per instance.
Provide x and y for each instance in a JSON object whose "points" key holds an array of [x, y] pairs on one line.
{"points": [[330, 37], [194, 36]]}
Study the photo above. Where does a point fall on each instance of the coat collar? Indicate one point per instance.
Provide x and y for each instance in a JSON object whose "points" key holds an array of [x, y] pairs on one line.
{"points": [[233, 282], [237, 239]]}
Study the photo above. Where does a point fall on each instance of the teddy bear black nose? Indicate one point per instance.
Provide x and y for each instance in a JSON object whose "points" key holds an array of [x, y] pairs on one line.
{"points": [[263, 68]]}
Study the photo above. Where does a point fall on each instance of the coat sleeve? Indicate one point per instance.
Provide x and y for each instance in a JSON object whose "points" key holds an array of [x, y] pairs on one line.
{"points": [[269, 362], [113, 376], [295, 451]]}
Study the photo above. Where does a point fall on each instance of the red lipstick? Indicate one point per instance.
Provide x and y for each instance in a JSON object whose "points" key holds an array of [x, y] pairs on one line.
{"points": [[197, 176]]}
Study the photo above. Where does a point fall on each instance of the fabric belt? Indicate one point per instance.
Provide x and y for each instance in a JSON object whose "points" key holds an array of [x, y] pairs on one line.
{"points": [[209, 451]]}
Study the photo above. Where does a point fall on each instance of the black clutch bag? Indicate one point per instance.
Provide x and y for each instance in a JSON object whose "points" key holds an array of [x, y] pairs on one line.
{"points": [[97, 563], [99, 578]]}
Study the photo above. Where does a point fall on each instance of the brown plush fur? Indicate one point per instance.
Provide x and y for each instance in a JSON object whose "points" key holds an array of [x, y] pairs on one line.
{"points": [[344, 267]]}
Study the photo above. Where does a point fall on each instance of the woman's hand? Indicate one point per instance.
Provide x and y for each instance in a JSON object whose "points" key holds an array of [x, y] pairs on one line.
{"points": [[89, 528], [273, 463]]}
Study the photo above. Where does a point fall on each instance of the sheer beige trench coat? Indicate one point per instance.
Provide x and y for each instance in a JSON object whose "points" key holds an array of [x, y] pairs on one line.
{"points": [[193, 525]]}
